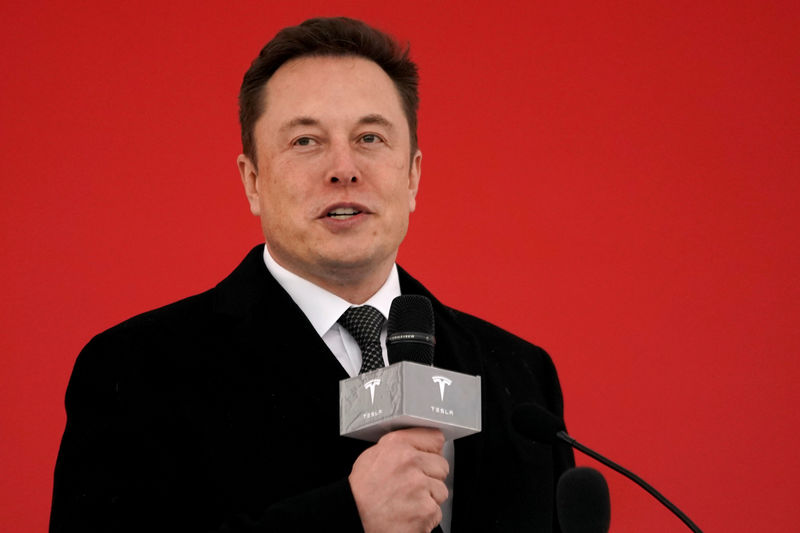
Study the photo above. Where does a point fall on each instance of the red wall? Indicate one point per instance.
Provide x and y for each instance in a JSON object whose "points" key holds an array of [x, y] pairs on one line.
{"points": [[615, 181]]}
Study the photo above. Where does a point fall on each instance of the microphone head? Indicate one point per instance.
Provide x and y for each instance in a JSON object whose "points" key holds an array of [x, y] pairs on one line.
{"points": [[582, 501], [410, 331], [536, 423]]}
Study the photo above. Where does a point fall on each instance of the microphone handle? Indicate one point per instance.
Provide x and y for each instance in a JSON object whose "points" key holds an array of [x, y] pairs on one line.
{"points": [[630, 475]]}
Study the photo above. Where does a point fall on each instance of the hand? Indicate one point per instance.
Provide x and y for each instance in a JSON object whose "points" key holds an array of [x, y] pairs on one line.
{"points": [[398, 483]]}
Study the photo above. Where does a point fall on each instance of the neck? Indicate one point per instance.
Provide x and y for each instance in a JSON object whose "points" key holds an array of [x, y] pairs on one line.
{"points": [[353, 283], [354, 291]]}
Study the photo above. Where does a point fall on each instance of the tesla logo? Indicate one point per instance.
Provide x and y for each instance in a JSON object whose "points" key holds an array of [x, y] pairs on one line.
{"points": [[443, 382], [371, 384]]}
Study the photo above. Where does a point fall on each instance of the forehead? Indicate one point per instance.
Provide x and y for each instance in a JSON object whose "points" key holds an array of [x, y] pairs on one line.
{"points": [[330, 88]]}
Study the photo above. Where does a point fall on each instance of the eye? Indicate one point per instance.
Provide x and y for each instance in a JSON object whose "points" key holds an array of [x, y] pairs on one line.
{"points": [[370, 138], [304, 141]]}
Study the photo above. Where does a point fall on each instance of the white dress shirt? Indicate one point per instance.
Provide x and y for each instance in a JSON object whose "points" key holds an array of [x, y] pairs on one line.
{"points": [[323, 309]]}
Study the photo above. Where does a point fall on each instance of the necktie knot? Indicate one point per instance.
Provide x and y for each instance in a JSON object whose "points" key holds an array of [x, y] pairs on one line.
{"points": [[364, 323]]}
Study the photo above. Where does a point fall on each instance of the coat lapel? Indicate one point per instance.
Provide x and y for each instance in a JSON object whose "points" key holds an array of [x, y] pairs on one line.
{"points": [[279, 386], [278, 369]]}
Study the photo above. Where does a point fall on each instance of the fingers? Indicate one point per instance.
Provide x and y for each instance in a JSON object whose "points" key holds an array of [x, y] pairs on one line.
{"points": [[400, 481], [423, 439], [422, 448], [433, 465], [438, 491]]}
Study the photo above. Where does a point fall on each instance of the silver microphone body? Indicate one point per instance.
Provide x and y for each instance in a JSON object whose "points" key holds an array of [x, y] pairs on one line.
{"points": [[408, 394]]}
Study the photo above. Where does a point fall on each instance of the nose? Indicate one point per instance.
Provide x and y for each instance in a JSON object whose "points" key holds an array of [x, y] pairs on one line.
{"points": [[343, 168], [351, 179]]}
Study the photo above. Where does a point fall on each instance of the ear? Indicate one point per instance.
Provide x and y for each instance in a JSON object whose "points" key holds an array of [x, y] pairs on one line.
{"points": [[249, 173], [414, 174]]}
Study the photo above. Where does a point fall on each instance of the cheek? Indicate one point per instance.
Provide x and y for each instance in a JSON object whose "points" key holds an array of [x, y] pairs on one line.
{"points": [[401, 164], [283, 188]]}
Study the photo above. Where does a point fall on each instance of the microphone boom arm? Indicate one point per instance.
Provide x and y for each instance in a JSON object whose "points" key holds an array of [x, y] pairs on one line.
{"points": [[630, 475]]}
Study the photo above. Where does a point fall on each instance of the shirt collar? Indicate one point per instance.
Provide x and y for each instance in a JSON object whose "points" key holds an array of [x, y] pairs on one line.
{"points": [[321, 307]]}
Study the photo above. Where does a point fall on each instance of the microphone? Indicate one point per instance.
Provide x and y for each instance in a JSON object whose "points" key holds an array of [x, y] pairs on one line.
{"points": [[410, 392], [582, 501], [410, 330], [538, 424]]}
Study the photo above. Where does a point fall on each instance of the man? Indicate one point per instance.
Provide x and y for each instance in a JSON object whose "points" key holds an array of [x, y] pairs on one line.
{"points": [[220, 412]]}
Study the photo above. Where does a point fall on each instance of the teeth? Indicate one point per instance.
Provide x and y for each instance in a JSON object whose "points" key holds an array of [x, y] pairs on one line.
{"points": [[343, 212]]}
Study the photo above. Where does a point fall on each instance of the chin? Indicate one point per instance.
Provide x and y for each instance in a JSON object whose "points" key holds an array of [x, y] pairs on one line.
{"points": [[343, 263], [355, 262]]}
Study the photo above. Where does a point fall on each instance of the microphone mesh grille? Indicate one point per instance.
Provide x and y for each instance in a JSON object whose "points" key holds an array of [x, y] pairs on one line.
{"points": [[410, 313], [583, 501]]}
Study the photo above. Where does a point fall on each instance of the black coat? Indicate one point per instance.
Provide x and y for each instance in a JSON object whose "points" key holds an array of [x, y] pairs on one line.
{"points": [[220, 413]]}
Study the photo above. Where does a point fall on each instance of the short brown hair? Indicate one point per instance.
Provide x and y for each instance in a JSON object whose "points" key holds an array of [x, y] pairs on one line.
{"points": [[338, 36]]}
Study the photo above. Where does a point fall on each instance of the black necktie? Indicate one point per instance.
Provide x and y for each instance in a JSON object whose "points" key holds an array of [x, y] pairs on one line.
{"points": [[364, 324]]}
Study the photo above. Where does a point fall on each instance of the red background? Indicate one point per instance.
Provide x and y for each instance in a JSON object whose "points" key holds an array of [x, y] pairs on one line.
{"points": [[615, 181]]}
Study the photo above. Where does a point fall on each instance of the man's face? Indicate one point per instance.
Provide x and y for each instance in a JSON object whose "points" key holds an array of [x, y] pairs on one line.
{"points": [[334, 185]]}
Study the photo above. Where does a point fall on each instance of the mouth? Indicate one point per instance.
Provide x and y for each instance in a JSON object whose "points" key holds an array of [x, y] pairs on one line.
{"points": [[342, 213]]}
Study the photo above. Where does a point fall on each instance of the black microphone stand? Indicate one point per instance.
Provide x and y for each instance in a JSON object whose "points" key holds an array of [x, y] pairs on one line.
{"points": [[630, 475]]}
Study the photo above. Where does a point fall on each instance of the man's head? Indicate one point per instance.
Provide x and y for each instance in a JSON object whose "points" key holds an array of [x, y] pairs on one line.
{"points": [[335, 37], [329, 171]]}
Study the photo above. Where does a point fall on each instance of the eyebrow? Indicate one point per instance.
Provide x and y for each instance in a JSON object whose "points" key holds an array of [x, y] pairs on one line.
{"points": [[373, 118], [377, 119], [299, 121]]}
